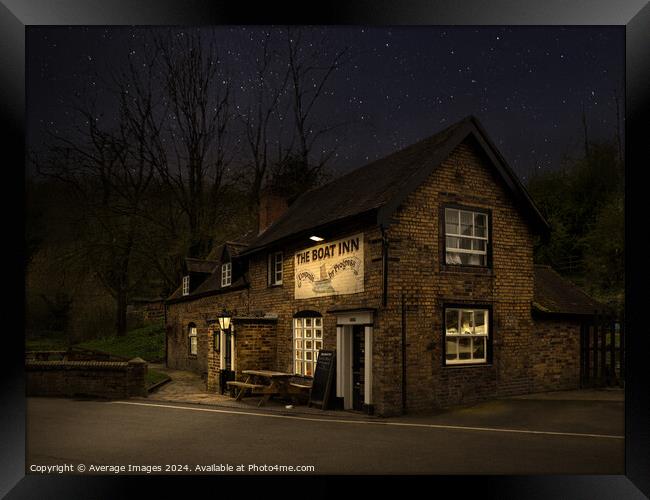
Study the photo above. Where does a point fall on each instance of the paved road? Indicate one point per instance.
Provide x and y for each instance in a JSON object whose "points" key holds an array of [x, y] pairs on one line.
{"points": [[63, 431]]}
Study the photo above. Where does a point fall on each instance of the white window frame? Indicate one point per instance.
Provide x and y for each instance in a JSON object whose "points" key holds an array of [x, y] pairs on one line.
{"points": [[276, 268], [452, 256], [307, 342], [459, 332], [226, 274], [193, 337], [186, 285]]}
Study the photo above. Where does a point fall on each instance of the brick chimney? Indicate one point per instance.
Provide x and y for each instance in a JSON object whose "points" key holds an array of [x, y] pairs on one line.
{"points": [[272, 206]]}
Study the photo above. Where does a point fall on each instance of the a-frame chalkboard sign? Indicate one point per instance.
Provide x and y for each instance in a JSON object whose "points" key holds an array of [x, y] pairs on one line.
{"points": [[322, 388]]}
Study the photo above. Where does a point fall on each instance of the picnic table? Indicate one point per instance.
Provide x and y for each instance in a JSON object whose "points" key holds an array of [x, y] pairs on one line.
{"points": [[268, 383]]}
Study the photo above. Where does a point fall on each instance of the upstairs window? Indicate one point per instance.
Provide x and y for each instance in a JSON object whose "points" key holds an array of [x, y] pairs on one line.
{"points": [[467, 335], [275, 268], [226, 274], [186, 285], [466, 237]]}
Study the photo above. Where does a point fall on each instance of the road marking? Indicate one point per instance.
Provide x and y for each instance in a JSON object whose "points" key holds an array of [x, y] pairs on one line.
{"points": [[365, 422]]}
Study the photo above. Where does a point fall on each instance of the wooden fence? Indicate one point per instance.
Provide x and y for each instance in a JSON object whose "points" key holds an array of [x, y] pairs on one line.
{"points": [[602, 348]]}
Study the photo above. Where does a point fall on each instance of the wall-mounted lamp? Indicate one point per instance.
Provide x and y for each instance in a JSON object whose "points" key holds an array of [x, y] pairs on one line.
{"points": [[316, 238], [224, 319]]}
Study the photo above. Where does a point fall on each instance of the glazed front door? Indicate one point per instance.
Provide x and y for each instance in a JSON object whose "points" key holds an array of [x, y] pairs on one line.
{"points": [[358, 367]]}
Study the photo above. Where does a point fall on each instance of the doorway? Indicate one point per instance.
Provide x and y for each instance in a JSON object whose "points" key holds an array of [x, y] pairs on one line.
{"points": [[354, 364], [358, 367]]}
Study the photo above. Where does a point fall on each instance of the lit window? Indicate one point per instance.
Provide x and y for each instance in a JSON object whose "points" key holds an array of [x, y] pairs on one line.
{"points": [[192, 337], [275, 268], [467, 335], [307, 341], [226, 274], [186, 285], [466, 237]]}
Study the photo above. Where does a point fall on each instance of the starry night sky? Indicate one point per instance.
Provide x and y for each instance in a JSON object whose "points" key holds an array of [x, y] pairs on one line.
{"points": [[527, 85]]}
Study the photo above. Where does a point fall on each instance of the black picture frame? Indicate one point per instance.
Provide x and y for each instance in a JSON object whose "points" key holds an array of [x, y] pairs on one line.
{"points": [[634, 15]]}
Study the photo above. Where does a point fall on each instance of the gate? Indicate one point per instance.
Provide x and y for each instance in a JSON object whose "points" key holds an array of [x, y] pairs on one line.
{"points": [[602, 347]]}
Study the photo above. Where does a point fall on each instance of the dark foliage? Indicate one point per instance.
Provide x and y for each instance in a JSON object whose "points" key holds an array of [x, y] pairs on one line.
{"points": [[584, 202]]}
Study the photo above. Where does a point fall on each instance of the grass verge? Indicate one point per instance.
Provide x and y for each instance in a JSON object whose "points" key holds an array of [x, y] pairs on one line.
{"points": [[147, 343], [154, 377]]}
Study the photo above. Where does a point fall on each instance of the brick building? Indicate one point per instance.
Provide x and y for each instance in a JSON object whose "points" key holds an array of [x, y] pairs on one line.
{"points": [[417, 268]]}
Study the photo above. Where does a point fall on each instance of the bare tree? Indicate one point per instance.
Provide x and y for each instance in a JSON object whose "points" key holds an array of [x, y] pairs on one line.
{"points": [[192, 154], [263, 117], [105, 164], [310, 73], [282, 122]]}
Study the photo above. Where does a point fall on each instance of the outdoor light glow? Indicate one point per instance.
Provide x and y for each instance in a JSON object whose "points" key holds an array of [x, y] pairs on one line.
{"points": [[224, 322], [316, 238]]}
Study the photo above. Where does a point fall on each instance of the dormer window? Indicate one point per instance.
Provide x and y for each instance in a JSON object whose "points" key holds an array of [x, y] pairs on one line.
{"points": [[226, 274], [186, 285]]}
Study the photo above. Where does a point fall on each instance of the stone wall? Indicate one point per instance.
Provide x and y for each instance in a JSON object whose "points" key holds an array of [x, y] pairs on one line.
{"points": [[555, 359], [102, 379]]}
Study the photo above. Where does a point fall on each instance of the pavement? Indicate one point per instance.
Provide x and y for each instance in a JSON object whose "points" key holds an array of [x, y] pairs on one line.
{"points": [[604, 394], [188, 387]]}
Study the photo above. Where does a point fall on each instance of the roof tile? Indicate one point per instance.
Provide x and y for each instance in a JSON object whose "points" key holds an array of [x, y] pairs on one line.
{"points": [[554, 294]]}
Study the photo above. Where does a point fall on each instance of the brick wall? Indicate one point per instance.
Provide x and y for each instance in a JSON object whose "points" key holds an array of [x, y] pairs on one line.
{"points": [[272, 206], [255, 349], [554, 363], [280, 300], [418, 273], [181, 315], [256, 345], [417, 240], [277, 300], [145, 313], [153, 312], [104, 379]]}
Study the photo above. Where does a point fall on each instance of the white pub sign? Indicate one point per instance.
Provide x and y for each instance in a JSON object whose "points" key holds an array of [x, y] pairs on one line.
{"points": [[332, 268]]}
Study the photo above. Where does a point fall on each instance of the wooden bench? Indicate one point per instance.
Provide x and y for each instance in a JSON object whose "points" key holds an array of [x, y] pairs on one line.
{"points": [[243, 388], [299, 391], [301, 387]]}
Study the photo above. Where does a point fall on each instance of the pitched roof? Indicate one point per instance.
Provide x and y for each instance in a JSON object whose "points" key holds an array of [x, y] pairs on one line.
{"points": [[212, 267], [211, 285], [199, 266], [382, 185], [554, 294], [234, 247]]}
